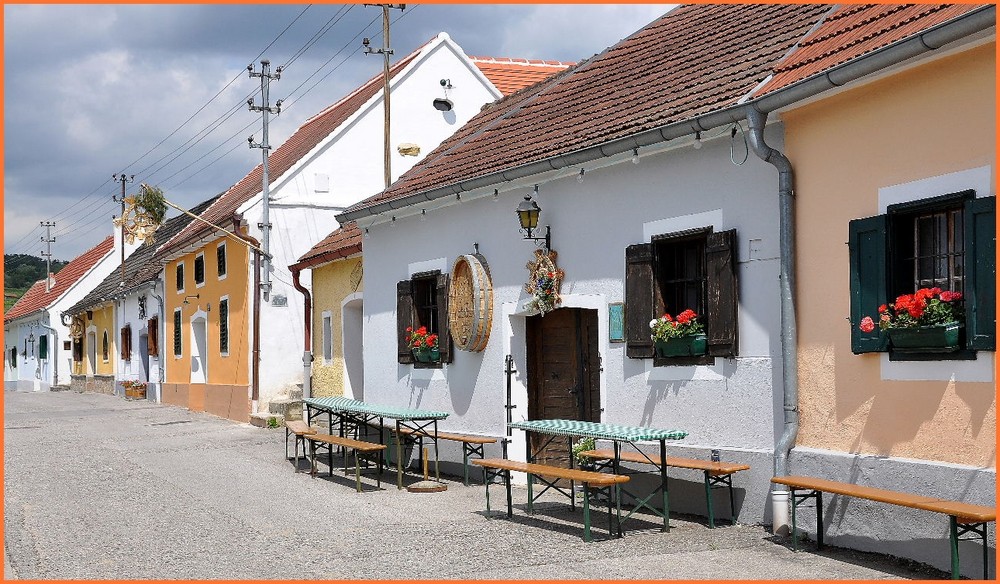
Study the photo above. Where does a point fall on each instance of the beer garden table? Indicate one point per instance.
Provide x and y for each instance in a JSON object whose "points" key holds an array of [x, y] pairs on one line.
{"points": [[618, 435], [363, 414]]}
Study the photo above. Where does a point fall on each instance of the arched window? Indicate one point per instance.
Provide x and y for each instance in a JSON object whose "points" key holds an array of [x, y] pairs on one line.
{"points": [[105, 348]]}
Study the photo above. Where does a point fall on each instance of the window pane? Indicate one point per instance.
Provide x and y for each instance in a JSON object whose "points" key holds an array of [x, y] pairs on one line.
{"points": [[680, 273]]}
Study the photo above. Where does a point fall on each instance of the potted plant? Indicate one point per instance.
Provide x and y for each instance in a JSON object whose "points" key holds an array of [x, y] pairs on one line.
{"points": [[423, 345], [134, 389], [583, 445], [929, 320], [682, 336]]}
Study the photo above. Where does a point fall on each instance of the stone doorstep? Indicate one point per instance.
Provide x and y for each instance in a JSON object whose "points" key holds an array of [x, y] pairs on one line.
{"points": [[290, 409], [260, 419]]}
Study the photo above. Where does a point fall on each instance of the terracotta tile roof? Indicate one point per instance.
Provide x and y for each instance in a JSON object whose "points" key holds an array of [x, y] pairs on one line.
{"points": [[141, 265], [307, 137], [512, 75], [36, 298], [694, 60], [854, 30], [345, 241]]}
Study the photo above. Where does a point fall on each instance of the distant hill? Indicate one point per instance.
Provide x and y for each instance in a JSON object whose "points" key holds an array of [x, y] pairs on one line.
{"points": [[20, 272]]}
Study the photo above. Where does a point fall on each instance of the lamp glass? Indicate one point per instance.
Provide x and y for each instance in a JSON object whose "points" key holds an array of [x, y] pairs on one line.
{"points": [[527, 213]]}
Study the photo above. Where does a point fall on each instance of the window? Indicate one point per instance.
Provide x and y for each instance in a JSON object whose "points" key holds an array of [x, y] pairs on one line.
{"points": [[224, 326], [177, 333], [327, 338], [105, 347], [126, 343], [423, 301], [199, 270], [13, 357], [179, 276], [43, 346], [153, 337], [693, 269], [947, 242], [220, 260]]}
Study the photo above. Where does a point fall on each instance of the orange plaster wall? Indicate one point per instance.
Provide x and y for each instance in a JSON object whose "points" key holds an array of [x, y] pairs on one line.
{"points": [[103, 320], [931, 120]]}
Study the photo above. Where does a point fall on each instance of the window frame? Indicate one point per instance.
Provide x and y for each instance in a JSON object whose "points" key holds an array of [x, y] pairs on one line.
{"points": [[126, 342], [406, 316]]}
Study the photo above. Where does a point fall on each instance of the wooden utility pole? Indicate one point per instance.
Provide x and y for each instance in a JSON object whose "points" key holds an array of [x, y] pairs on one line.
{"points": [[123, 179], [385, 51]]}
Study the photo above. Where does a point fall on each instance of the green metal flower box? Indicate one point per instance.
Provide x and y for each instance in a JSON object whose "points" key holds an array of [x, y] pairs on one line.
{"points": [[943, 338], [686, 346], [425, 355]]}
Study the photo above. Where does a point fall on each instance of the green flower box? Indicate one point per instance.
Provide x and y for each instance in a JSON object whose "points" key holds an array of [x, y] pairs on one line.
{"points": [[942, 338], [686, 346], [424, 355]]}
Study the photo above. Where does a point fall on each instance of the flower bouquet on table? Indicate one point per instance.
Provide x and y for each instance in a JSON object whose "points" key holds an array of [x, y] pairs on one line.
{"points": [[423, 344], [680, 336], [930, 319]]}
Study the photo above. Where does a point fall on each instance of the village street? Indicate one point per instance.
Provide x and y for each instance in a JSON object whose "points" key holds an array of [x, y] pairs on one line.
{"points": [[99, 487]]}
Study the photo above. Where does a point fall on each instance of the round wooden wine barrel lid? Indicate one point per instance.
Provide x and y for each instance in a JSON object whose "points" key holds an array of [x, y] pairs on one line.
{"points": [[470, 303]]}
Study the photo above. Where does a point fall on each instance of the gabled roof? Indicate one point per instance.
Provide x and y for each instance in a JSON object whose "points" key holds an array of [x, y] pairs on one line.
{"points": [[141, 265], [512, 75], [36, 298], [694, 60], [344, 242], [854, 30]]}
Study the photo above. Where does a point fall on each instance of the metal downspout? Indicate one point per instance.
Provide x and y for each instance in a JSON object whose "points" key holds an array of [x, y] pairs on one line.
{"points": [[789, 333], [255, 366], [161, 325], [307, 357]]}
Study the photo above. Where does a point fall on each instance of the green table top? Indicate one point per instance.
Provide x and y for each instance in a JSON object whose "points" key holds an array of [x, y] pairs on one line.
{"points": [[343, 404], [597, 430]]}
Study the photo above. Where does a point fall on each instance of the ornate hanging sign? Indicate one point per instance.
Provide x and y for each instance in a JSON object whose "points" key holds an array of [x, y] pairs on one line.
{"points": [[76, 329], [544, 282], [470, 303]]}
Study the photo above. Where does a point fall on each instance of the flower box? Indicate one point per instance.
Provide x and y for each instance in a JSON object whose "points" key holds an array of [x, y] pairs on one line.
{"points": [[685, 346], [942, 338], [425, 355]]}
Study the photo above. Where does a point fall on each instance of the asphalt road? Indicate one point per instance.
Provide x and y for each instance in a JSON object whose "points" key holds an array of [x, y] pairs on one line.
{"points": [[97, 487]]}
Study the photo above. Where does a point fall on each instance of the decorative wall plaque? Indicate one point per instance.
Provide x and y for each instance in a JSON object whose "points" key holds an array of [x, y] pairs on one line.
{"points": [[544, 282], [470, 303]]}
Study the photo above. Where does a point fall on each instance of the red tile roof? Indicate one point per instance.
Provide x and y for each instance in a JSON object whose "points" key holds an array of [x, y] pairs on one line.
{"points": [[512, 75], [694, 60], [36, 298], [344, 242], [854, 30]]}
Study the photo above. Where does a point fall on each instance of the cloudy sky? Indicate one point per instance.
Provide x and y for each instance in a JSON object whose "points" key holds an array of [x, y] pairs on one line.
{"points": [[160, 91]]}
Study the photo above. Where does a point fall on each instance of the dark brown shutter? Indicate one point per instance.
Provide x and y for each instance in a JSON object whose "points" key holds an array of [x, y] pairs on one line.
{"points": [[722, 297], [444, 334], [638, 300], [404, 319], [153, 337]]}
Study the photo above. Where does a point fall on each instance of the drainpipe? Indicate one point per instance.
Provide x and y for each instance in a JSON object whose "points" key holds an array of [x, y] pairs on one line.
{"points": [[307, 356], [161, 327], [789, 351], [255, 367]]}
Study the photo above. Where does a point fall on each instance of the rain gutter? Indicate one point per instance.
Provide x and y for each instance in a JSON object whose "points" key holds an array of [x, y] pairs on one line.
{"points": [[307, 357]]}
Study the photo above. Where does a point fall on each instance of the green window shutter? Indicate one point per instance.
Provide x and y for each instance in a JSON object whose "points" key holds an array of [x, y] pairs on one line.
{"points": [[638, 300], [444, 332], [868, 284], [43, 347], [179, 273], [177, 333], [404, 319], [981, 273], [220, 260], [722, 302], [224, 326]]}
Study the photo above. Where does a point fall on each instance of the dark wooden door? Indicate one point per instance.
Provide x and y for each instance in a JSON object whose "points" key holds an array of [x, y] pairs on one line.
{"points": [[563, 375]]}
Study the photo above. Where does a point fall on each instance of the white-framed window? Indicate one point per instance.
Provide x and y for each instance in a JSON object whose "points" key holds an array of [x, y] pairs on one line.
{"points": [[327, 337], [221, 261], [179, 277], [199, 270], [178, 342], [224, 326]]}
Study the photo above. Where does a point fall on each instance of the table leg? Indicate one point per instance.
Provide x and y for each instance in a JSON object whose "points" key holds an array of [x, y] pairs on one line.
{"points": [[586, 512], [437, 469], [708, 501], [663, 482], [953, 530], [510, 497], [399, 460]]}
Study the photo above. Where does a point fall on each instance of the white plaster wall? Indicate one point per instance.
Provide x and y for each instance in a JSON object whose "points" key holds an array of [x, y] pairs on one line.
{"points": [[128, 308], [735, 404]]}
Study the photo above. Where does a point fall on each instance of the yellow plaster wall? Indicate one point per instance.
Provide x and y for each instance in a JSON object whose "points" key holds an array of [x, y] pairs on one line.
{"points": [[331, 284], [931, 120], [104, 320], [231, 369]]}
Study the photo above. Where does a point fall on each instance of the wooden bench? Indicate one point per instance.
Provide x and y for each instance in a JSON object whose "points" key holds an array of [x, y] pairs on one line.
{"points": [[963, 517], [472, 444], [588, 478], [300, 429], [717, 474], [361, 448]]}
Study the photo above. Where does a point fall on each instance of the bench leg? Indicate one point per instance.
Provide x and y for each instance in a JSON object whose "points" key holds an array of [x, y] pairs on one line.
{"points": [[663, 481], [465, 464], [795, 531], [357, 469], [819, 520], [286, 443], [708, 500], [486, 480], [510, 496], [586, 512], [531, 496], [953, 530]]}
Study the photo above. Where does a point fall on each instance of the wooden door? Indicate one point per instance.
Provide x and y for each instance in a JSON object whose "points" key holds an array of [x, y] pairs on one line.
{"points": [[563, 375]]}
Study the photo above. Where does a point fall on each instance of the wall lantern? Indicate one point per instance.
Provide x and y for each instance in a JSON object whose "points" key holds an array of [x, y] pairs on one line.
{"points": [[527, 216]]}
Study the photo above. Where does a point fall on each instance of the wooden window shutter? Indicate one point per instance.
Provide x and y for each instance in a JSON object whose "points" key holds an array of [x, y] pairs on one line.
{"points": [[43, 346], [444, 333], [220, 260], [722, 294], [868, 259], [179, 273], [153, 337], [404, 319], [638, 300], [126, 343], [981, 273], [177, 333], [224, 326]]}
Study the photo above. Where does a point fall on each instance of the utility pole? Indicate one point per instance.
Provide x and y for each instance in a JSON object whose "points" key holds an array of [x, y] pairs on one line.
{"points": [[47, 254], [385, 51], [265, 224], [123, 179]]}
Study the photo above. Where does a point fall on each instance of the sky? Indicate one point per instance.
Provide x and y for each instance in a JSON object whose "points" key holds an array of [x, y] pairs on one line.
{"points": [[160, 91]]}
